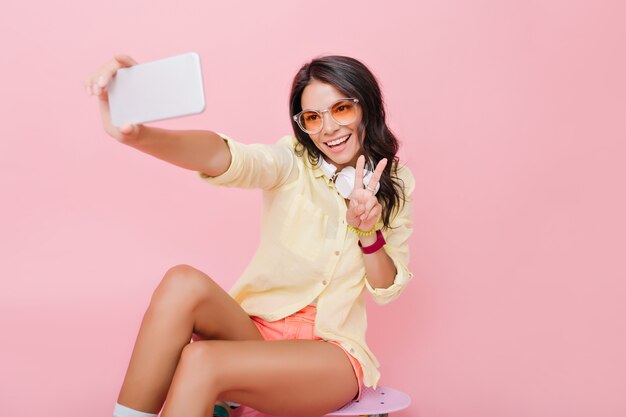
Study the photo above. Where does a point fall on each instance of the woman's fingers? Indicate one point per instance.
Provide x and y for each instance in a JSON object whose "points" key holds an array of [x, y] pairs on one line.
{"points": [[353, 220], [378, 172], [372, 217], [88, 86], [125, 60], [370, 205], [358, 176], [355, 210], [128, 129], [97, 82], [362, 204], [119, 61]]}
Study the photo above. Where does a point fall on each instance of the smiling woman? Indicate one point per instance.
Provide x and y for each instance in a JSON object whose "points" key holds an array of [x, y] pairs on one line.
{"points": [[322, 248], [358, 124]]}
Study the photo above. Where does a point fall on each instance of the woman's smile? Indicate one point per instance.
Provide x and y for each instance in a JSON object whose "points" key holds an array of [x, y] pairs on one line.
{"points": [[339, 143]]}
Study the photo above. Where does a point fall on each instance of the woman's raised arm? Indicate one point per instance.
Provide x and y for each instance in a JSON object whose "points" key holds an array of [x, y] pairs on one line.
{"points": [[196, 150]]}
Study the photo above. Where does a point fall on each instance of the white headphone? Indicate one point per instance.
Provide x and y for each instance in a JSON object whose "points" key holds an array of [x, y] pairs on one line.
{"points": [[344, 180]]}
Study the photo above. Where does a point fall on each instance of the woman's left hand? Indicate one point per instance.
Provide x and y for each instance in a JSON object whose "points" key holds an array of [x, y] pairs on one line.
{"points": [[364, 208]]}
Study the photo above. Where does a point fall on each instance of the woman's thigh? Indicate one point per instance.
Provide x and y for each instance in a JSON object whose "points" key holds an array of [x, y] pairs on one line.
{"points": [[286, 377], [215, 314]]}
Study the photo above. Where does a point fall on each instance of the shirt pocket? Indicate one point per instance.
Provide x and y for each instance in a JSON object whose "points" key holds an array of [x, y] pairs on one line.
{"points": [[304, 229]]}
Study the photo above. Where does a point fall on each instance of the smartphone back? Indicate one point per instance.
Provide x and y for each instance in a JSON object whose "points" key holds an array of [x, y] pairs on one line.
{"points": [[157, 90]]}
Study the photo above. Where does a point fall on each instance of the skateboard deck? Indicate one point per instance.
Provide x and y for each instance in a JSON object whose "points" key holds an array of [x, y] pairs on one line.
{"points": [[381, 401], [373, 403]]}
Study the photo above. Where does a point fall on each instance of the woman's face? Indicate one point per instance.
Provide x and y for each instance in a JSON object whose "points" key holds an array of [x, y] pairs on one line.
{"points": [[339, 144]]}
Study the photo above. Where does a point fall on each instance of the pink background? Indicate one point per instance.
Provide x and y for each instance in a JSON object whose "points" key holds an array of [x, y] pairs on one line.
{"points": [[511, 115]]}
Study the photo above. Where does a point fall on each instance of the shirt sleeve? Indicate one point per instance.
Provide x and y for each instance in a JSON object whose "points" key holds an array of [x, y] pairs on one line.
{"points": [[397, 246], [262, 166]]}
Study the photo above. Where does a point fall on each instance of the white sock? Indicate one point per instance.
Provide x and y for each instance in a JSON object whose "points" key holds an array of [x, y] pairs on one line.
{"points": [[123, 411]]}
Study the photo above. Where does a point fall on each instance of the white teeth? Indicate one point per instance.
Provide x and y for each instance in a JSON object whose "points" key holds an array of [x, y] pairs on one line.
{"points": [[338, 141]]}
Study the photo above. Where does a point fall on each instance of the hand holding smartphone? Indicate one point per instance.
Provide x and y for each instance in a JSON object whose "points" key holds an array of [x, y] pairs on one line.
{"points": [[157, 90]]}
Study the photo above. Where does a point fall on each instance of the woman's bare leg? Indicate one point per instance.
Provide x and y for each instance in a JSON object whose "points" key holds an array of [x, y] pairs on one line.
{"points": [[288, 377], [185, 301]]}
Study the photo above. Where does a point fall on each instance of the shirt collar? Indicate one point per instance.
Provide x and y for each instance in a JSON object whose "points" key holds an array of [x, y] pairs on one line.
{"points": [[318, 171]]}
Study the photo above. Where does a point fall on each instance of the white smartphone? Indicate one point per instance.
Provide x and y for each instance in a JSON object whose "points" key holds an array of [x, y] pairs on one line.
{"points": [[157, 90]]}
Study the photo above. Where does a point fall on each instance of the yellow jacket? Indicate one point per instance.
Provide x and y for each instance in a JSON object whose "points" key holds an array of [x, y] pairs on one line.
{"points": [[306, 253]]}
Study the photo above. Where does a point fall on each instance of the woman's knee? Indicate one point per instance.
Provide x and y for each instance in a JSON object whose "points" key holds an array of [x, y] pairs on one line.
{"points": [[201, 361], [182, 284]]}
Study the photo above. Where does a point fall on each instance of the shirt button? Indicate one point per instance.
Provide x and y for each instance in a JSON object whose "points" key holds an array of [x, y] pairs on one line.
{"points": [[337, 253], [351, 350], [324, 282]]}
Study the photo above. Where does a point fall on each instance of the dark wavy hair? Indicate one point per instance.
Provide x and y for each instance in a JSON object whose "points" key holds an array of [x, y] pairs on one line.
{"points": [[353, 79]]}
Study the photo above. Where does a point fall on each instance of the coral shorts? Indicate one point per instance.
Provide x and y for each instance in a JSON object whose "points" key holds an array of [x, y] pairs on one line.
{"points": [[300, 325]]}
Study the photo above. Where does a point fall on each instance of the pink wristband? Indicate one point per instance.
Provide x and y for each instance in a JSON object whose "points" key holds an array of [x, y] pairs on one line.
{"points": [[380, 242]]}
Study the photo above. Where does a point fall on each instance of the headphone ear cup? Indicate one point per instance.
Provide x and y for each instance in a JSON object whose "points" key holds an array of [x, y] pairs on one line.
{"points": [[346, 178], [345, 181]]}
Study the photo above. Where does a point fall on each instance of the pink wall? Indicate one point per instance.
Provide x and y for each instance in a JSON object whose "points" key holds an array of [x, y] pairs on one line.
{"points": [[512, 119]]}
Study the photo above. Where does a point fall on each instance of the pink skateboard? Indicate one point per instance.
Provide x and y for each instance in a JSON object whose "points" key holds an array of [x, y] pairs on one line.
{"points": [[373, 403]]}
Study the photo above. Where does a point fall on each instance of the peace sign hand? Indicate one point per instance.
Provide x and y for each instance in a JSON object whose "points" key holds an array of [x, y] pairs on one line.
{"points": [[364, 208]]}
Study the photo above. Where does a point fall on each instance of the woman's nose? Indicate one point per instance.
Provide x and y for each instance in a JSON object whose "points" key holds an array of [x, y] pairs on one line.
{"points": [[330, 125]]}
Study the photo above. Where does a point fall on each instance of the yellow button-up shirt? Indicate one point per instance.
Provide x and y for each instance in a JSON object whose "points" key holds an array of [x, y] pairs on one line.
{"points": [[306, 253]]}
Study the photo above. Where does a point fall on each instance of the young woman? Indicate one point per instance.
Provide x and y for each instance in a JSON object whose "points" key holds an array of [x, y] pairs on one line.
{"points": [[289, 337]]}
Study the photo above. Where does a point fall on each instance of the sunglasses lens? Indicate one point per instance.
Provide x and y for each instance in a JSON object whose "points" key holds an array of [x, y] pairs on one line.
{"points": [[344, 112], [311, 121]]}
